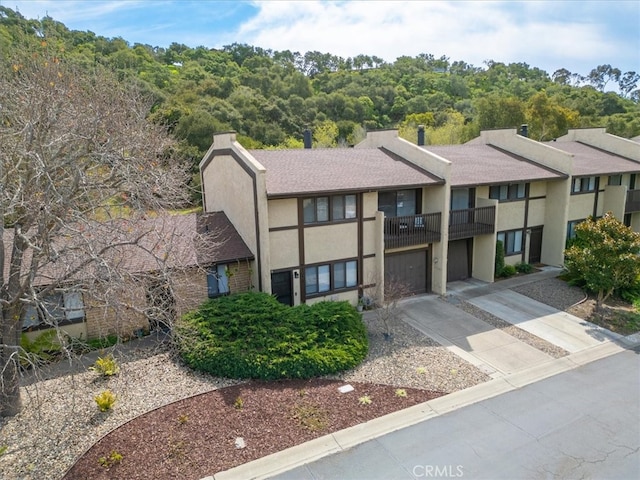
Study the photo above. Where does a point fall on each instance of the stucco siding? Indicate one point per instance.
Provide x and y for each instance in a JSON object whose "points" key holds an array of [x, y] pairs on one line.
{"points": [[581, 205], [331, 242], [511, 216], [284, 249], [537, 212], [283, 213]]}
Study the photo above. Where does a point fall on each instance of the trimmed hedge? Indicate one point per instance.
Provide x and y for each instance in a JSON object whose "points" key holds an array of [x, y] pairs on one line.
{"points": [[252, 335]]}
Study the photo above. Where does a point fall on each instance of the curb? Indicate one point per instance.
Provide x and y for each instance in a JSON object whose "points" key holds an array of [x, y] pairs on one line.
{"points": [[341, 440]]}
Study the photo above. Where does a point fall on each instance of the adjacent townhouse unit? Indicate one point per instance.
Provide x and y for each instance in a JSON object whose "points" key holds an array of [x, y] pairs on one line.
{"points": [[165, 266], [343, 223]]}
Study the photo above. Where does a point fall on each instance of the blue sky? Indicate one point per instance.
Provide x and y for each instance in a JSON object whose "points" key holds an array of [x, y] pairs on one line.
{"points": [[576, 35]]}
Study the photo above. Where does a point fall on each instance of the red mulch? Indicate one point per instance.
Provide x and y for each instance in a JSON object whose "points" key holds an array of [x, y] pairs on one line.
{"points": [[196, 437]]}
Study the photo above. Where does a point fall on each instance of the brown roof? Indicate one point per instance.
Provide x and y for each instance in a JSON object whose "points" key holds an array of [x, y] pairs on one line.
{"points": [[173, 241], [487, 165], [588, 160], [303, 171]]}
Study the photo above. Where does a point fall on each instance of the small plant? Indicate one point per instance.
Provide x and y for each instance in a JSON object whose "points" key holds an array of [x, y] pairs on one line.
{"points": [[310, 416], [364, 400], [3, 449], [401, 392], [238, 403], [105, 400], [522, 267], [302, 393], [421, 370], [112, 459], [508, 271], [454, 371], [106, 366], [182, 419]]}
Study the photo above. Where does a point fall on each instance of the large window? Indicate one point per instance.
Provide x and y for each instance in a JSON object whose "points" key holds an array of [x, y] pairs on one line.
{"points": [[399, 203], [615, 180], [60, 308], [217, 281], [583, 184], [512, 241], [326, 278], [571, 228], [515, 191], [325, 209]]}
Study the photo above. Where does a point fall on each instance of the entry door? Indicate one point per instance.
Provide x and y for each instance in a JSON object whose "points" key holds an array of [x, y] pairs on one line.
{"points": [[282, 287], [458, 260], [535, 245]]}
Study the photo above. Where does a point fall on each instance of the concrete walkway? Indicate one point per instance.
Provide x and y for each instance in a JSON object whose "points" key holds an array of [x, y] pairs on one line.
{"points": [[511, 363]]}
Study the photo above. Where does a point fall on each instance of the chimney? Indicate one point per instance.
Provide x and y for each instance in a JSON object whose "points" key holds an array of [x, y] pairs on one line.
{"points": [[307, 138], [524, 130], [421, 135]]}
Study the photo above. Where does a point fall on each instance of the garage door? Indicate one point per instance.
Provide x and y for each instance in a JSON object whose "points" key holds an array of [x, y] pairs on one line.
{"points": [[408, 268], [458, 264]]}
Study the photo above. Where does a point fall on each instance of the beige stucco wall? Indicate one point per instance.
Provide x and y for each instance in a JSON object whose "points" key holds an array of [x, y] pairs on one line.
{"points": [[484, 246], [554, 233], [613, 200], [284, 249], [537, 212], [283, 213], [511, 215], [330, 242], [581, 205]]}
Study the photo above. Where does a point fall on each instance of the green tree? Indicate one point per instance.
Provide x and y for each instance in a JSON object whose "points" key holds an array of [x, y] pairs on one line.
{"points": [[604, 255]]}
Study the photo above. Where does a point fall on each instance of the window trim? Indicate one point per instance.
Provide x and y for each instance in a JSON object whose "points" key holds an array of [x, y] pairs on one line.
{"points": [[508, 197], [349, 213], [43, 324], [331, 269], [213, 272], [581, 189], [505, 241], [417, 199]]}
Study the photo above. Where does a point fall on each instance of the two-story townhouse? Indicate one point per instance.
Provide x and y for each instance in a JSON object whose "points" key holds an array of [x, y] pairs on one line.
{"points": [[328, 223], [604, 172]]}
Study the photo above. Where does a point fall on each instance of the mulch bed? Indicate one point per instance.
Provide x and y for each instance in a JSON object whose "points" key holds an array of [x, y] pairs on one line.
{"points": [[198, 436]]}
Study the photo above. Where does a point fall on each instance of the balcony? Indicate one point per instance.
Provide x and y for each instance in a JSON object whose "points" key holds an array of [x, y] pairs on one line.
{"points": [[471, 222], [633, 201], [411, 230]]}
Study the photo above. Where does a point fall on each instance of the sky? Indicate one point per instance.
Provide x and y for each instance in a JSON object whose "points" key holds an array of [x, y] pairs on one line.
{"points": [[576, 35]]}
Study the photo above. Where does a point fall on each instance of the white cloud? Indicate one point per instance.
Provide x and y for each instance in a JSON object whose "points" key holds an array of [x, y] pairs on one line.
{"points": [[530, 32]]}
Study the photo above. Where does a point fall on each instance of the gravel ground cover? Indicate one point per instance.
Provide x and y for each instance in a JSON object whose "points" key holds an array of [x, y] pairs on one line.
{"points": [[60, 420]]}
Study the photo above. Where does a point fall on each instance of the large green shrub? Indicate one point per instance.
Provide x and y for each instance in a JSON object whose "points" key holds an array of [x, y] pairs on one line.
{"points": [[252, 335]]}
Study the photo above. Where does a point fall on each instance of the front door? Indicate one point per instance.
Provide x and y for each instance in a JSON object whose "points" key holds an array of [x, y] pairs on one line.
{"points": [[535, 245], [458, 260], [282, 287]]}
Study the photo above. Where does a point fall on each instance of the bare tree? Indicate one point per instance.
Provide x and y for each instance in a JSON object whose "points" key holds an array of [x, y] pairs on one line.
{"points": [[76, 156], [384, 299]]}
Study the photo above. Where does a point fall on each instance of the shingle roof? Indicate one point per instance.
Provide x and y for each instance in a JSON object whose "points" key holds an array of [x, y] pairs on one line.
{"points": [[173, 241], [293, 172], [588, 160], [486, 165]]}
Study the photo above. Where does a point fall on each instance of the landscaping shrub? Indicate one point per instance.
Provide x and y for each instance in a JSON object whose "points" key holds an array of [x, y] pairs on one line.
{"points": [[499, 262], [508, 271], [523, 267], [252, 335]]}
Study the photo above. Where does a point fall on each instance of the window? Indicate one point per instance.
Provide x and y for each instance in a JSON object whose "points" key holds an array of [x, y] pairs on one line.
{"points": [[583, 184], [59, 308], [324, 209], [515, 191], [326, 278], [399, 203], [615, 179], [571, 228], [512, 241], [217, 281]]}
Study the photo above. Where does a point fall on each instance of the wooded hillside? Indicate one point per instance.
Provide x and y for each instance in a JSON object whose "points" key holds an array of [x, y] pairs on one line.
{"points": [[269, 97]]}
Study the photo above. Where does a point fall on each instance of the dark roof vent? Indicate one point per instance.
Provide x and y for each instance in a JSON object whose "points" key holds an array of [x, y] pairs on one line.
{"points": [[524, 130], [307, 138], [421, 135]]}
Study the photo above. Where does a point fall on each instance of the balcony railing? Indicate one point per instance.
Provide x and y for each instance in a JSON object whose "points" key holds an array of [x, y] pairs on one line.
{"points": [[633, 201], [411, 230], [471, 222]]}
